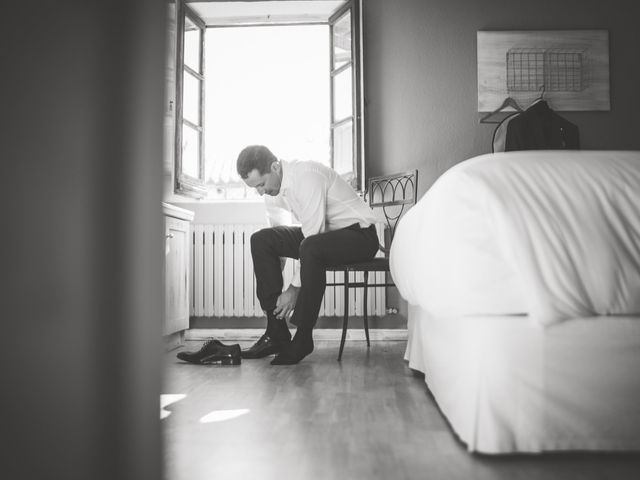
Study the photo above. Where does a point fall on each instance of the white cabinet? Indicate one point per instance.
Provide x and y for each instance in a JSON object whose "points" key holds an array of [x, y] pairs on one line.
{"points": [[176, 269]]}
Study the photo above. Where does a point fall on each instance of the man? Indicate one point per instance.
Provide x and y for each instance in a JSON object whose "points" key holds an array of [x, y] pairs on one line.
{"points": [[336, 227]]}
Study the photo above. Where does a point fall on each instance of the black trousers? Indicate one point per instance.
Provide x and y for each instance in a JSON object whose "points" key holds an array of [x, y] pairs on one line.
{"points": [[316, 252]]}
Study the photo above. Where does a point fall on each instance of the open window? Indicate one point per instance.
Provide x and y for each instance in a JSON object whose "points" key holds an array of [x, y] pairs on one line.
{"points": [[189, 134], [347, 147], [340, 138]]}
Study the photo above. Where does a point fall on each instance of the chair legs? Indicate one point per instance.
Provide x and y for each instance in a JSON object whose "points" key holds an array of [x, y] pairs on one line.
{"points": [[345, 320], [366, 319]]}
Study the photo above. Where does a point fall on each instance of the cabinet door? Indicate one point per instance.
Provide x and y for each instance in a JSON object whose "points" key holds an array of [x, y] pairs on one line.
{"points": [[176, 275]]}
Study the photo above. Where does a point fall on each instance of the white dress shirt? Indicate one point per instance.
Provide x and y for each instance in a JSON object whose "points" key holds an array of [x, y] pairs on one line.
{"points": [[320, 200]]}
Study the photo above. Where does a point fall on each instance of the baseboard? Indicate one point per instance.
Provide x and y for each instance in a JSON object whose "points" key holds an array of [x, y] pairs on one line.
{"points": [[390, 321], [240, 334]]}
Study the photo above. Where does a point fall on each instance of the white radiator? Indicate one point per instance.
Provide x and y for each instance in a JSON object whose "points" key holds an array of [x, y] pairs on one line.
{"points": [[222, 283]]}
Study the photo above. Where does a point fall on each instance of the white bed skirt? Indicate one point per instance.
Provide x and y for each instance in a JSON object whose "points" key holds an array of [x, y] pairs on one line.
{"points": [[507, 385]]}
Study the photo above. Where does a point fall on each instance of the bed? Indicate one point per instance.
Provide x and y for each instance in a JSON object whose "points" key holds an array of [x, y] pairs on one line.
{"points": [[522, 274]]}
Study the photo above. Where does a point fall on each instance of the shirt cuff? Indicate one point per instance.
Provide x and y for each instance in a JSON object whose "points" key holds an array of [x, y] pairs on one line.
{"points": [[295, 281]]}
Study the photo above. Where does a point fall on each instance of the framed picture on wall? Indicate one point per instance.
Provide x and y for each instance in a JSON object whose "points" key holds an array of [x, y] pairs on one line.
{"points": [[569, 67]]}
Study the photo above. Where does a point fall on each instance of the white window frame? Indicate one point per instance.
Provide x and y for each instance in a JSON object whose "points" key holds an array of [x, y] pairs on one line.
{"points": [[185, 184], [352, 7], [195, 187]]}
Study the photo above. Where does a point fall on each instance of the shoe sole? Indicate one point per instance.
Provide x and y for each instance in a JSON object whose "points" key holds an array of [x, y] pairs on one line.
{"points": [[221, 361]]}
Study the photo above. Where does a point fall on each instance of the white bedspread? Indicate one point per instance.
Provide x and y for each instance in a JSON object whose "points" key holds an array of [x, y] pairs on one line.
{"points": [[507, 386], [554, 235]]}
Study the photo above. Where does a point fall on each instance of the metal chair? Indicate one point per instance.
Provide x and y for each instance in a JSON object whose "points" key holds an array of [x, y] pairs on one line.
{"points": [[394, 195]]}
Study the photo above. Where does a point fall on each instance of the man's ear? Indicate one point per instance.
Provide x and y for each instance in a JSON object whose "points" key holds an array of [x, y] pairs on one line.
{"points": [[275, 167]]}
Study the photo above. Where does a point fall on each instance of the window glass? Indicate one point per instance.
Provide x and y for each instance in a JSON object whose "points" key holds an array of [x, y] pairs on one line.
{"points": [[342, 41], [343, 148], [191, 98], [192, 45], [342, 95], [190, 151]]}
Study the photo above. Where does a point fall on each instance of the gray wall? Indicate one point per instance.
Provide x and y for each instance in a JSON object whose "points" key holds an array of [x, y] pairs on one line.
{"points": [[421, 77], [81, 279]]}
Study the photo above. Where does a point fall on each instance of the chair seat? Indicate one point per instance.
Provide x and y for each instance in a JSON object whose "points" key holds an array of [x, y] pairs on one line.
{"points": [[378, 264]]}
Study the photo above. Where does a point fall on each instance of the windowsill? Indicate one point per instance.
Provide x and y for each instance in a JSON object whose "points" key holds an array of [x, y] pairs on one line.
{"points": [[202, 201], [225, 211]]}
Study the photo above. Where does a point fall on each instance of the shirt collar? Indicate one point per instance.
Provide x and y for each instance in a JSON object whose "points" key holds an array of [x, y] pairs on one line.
{"points": [[286, 176]]}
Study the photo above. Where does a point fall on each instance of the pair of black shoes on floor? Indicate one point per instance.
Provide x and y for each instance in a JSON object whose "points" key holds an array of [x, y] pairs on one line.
{"points": [[213, 352], [288, 352]]}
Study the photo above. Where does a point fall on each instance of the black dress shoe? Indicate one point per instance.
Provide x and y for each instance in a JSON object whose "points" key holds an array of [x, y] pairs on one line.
{"points": [[264, 347], [299, 348], [213, 351]]}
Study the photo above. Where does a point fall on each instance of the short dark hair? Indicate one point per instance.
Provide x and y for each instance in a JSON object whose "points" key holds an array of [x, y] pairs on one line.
{"points": [[254, 157]]}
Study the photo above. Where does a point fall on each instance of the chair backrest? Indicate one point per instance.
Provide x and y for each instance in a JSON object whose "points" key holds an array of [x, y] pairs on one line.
{"points": [[394, 195]]}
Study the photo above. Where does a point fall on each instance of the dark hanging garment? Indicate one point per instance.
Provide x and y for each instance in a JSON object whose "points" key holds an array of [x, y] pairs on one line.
{"points": [[540, 128], [500, 134]]}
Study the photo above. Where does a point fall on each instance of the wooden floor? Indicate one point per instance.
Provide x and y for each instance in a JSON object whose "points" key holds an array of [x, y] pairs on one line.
{"points": [[368, 417]]}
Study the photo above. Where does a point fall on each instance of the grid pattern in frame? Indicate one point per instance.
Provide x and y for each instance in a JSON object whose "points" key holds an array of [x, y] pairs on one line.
{"points": [[572, 65]]}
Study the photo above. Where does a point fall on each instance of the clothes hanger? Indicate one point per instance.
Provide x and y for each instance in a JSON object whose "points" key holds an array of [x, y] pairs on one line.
{"points": [[508, 102], [539, 99]]}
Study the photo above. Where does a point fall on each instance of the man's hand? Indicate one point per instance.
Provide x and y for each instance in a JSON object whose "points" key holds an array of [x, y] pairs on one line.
{"points": [[286, 302]]}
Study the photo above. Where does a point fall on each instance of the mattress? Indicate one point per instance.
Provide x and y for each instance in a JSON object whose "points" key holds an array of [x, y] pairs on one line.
{"points": [[553, 234], [506, 384]]}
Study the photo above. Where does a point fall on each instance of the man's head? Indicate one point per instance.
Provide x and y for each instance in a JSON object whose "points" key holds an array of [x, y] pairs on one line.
{"points": [[260, 169]]}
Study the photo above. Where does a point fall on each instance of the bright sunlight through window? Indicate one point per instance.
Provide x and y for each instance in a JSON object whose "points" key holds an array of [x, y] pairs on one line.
{"points": [[265, 85]]}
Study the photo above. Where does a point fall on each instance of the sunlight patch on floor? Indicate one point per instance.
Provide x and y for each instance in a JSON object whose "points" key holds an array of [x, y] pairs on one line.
{"points": [[168, 399], [222, 415]]}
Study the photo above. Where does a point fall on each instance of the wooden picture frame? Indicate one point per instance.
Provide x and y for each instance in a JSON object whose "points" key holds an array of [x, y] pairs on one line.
{"points": [[569, 67]]}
